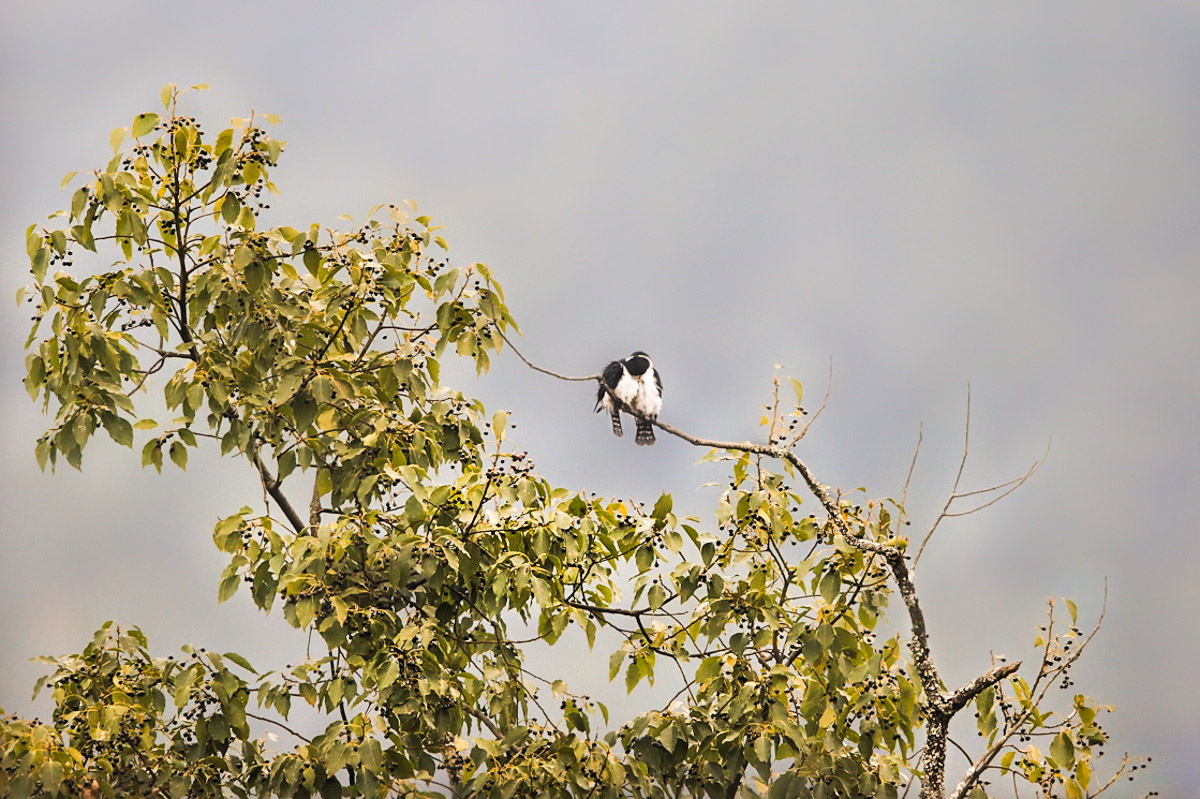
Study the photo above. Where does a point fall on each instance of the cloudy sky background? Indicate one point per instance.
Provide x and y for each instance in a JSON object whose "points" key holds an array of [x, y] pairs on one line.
{"points": [[1004, 194]]}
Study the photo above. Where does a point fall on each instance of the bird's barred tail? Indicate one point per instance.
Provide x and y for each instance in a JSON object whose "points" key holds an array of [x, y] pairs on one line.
{"points": [[645, 433], [617, 431]]}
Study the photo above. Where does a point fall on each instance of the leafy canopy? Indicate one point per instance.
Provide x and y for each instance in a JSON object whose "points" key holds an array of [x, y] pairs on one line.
{"points": [[412, 538]]}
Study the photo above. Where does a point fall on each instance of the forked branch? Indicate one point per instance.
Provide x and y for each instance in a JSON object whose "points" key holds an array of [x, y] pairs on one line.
{"points": [[989, 495]]}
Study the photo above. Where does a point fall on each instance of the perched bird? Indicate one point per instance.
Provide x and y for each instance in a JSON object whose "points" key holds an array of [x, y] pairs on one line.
{"points": [[637, 384]]}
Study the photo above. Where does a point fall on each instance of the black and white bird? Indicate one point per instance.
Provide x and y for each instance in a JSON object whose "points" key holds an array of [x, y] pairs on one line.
{"points": [[637, 384]]}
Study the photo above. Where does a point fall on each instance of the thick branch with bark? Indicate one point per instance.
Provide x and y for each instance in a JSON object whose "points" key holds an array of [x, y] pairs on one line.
{"points": [[271, 485]]}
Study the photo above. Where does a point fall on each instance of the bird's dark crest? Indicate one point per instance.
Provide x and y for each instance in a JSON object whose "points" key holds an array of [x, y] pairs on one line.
{"points": [[638, 363]]}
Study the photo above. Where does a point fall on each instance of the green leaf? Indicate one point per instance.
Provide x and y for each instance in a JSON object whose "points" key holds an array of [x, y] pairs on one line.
{"points": [[152, 454], [710, 667], [387, 675], [179, 455], [51, 775], [1083, 774], [633, 675], [499, 422], [1062, 750], [119, 429], [784, 787], [79, 202], [985, 699], [166, 94], [40, 261], [831, 583], [798, 389], [762, 749], [183, 685], [322, 389], [245, 218], [143, 124], [668, 737], [228, 587], [231, 206], [306, 610], [116, 137], [241, 661], [614, 663], [21, 787]]}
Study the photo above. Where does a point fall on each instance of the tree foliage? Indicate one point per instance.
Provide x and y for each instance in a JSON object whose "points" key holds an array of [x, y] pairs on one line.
{"points": [[407, 533]]}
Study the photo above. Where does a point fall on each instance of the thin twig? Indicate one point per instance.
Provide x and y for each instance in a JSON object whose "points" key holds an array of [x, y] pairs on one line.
{"points": [[817, 413], [911, 468], [962, 464], [536, 368], [1006, 487], [280, 725]]}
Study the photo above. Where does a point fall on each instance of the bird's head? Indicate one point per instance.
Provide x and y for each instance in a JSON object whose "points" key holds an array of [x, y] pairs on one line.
{"points": [[637, 363]]}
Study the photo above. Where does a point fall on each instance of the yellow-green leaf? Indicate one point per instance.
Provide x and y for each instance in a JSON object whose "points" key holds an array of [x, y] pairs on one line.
{"points": [[831, 583], [614, 663], [1073, 609], [798, 389], [179, 454], [1062, 750], [143, 124]]}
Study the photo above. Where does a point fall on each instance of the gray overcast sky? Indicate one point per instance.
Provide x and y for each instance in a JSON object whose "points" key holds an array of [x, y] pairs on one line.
{"points": [[925, 193]]}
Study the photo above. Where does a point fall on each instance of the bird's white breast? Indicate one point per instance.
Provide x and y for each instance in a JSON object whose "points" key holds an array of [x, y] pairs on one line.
{"points": [[648, 399], [626, 391], [627, 388]]}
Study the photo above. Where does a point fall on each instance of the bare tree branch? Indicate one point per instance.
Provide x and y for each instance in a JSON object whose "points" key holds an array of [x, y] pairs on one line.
{"points": [[280, 725], [912, 467], [962, 464], [817, 413], [955, 495], [271, 485], [962, 696], [537, 368]]}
